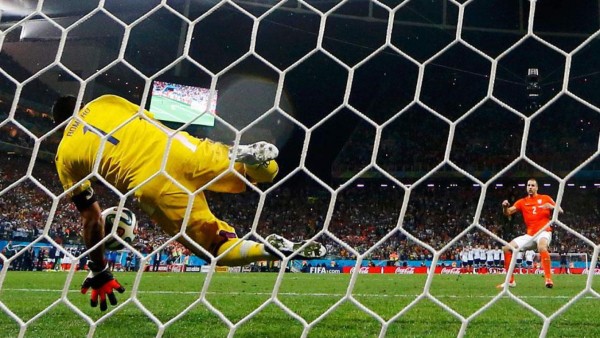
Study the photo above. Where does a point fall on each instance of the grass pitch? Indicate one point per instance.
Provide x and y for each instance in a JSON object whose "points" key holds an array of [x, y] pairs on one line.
{"points": [[165, 109], [255, 305]]}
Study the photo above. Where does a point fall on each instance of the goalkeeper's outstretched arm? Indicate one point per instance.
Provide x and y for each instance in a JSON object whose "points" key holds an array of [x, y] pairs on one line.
{"points": [[93, 231], [91, 218], [100, 279]]}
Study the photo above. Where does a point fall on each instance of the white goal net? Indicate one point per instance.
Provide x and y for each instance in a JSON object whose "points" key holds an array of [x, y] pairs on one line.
{"points": [[402, 127]]}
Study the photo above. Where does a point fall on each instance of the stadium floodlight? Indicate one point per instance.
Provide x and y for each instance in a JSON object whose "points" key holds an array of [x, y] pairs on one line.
{"points": [[533, 89]]}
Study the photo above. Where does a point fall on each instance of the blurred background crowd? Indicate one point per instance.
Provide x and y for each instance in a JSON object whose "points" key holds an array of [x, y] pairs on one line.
{"points": [[363, 215]]}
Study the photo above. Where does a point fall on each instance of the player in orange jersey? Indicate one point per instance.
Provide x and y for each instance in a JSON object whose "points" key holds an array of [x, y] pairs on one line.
{"points": [[537, 212]]}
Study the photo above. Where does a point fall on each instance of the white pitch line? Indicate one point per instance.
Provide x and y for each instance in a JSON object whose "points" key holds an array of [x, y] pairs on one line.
{"points": [[307, 294]]}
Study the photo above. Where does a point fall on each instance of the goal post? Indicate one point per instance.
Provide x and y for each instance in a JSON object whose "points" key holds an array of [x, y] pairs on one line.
{"points": [[574, 259]]}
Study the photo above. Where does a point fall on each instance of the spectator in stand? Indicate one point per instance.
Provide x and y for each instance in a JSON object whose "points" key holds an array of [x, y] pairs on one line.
{"points": [[28, 257], [51, 256], [156, 261], [464, 258], [470, 259], [58, 256], [564, 260], [170, 258], [489, 255], [10, 249], [497, 257], [519, 261], [529, 256], [480, 251], [40, 261], [83, 260], [129, 261], [136, 263], [111, 259]]}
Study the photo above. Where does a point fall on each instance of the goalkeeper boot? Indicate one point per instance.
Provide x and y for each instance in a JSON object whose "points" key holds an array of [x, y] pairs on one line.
{"points": [[549, 283], [252, 154], [312, 250]]}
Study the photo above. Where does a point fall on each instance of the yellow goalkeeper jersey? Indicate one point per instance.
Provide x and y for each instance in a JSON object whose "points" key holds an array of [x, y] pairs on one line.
{"points": [[127, 145]]}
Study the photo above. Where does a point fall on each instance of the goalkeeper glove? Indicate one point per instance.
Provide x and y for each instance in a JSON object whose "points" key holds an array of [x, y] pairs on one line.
{"points": [[102, 283]]}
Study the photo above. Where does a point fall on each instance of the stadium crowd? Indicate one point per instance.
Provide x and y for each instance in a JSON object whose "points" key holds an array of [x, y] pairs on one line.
{"points": [[435, 214], [178, 92], [362, 216], [483, 146], [36, 122]]}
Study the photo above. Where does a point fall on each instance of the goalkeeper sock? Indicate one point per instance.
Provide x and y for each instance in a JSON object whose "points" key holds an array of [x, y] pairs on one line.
{"points": [[507, 259], [244, 252], [262, 172], [546, 264]]}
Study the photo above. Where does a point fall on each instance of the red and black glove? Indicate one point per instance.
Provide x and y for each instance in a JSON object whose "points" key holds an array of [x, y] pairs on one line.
{"points": [[102, 283]]}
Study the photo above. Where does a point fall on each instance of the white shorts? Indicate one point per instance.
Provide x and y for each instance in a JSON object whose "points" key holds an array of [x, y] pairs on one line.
{"points": [[530, 242]]}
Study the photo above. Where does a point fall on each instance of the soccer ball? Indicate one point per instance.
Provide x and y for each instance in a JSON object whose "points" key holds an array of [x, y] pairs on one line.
{"points": [[126, 229]]}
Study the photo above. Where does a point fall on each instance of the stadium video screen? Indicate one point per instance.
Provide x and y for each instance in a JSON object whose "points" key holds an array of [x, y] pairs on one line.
{"points": [[175, 102]]}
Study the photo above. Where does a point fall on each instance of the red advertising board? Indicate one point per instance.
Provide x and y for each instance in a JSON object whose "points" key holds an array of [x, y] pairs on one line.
{"points": [[399, 270]]}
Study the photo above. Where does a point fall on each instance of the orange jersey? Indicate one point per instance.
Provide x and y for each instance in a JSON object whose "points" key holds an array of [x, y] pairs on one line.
{"points": [[534, 216]]}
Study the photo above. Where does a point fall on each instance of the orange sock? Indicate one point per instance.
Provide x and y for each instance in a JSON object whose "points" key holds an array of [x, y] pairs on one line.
{"points": [[546, 264], [507, 259]]}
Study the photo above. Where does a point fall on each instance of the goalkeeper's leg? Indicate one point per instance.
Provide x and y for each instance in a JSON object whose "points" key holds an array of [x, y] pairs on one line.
{"points": [[255, 161], [258, 159], [216, 237], [242, 252], [262, 173], [246, 251], [204, 229]]}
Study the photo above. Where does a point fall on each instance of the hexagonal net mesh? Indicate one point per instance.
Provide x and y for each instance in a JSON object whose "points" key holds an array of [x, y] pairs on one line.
{"points": [[402, 128]]}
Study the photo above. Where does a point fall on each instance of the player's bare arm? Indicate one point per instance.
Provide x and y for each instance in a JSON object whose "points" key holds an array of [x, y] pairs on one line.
{"points": [[507, 209], [99, 279], [93, 230]]}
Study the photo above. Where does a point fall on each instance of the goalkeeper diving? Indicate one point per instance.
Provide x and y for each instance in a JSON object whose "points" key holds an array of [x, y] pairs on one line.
{"points": [[132, 148]]}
